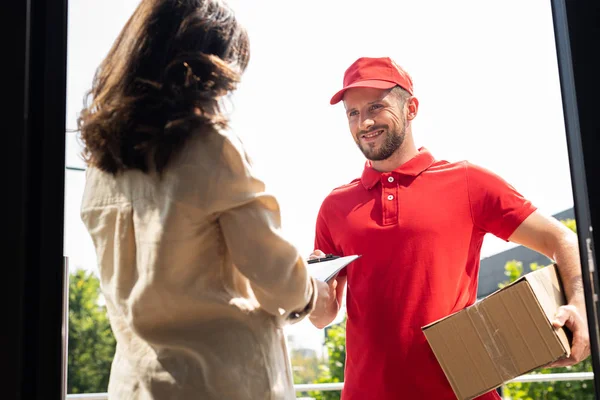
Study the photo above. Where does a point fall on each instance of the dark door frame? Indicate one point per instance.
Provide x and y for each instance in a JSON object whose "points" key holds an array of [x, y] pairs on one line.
{"points": [[577, 35], [33, 187]]}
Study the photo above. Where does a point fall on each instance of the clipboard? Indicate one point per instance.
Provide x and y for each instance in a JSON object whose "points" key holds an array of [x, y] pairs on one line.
{"points": [[323, 269]]}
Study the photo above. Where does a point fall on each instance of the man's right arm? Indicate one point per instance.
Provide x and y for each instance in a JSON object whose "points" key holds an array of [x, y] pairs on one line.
{"points": [[329, 298]]}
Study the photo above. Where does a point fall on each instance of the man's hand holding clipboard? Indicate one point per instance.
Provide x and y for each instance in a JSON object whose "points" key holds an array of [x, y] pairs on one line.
{"points": [[325, 268]]}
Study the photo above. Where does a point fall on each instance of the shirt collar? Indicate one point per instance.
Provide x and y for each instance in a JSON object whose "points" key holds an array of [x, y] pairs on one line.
{"points": [[412, 167]]}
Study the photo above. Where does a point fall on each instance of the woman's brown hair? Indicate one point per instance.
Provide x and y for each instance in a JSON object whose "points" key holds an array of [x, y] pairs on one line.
{"points": [[161, 82]]}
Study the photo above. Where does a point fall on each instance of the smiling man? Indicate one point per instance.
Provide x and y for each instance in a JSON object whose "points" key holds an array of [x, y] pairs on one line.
{"points": [[419, 224]]}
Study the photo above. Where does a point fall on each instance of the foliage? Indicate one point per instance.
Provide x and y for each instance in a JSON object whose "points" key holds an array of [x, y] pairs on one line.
{"points": [[305, 367], [91, 341], [333, 371]]}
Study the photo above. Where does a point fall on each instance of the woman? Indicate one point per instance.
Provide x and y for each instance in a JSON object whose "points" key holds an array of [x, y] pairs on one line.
{"points": [[198, 280]]}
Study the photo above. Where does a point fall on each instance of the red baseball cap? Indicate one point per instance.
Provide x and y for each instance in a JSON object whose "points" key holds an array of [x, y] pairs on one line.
{"points": [[377, 73]]}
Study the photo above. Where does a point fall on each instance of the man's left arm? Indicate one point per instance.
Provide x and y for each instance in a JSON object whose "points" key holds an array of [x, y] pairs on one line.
{"points": [[554, 240]]}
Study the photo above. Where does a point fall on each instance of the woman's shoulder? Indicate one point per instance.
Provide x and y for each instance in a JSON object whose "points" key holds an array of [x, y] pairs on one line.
{"points": [[216, 149]]}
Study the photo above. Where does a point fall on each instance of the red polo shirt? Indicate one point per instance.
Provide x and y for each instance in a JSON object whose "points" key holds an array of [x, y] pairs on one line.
{"points": [[419, 230]]}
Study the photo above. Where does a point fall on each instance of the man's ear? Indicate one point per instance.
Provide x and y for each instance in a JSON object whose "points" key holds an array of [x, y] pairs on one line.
{"points": [[413, 108]]}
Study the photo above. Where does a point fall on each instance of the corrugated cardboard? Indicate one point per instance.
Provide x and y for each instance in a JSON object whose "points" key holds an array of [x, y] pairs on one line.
{"points": [[503, 336]]}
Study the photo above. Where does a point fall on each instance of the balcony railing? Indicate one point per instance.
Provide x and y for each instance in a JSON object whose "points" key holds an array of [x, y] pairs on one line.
{"points": [[570, 376]]}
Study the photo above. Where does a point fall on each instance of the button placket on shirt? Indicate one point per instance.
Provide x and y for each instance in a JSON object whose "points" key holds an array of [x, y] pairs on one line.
{"points": [[389, 198]]}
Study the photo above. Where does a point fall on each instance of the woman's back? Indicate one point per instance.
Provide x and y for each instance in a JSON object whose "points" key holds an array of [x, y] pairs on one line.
{"points": [[175, 253]]}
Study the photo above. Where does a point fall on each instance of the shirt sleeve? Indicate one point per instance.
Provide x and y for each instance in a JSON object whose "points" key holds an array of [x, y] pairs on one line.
{"points": [[323, 238], [496, 206], [251, 225]]}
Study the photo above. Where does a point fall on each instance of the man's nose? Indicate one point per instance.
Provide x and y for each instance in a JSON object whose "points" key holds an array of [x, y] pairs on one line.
{"points": [[366, 124]]}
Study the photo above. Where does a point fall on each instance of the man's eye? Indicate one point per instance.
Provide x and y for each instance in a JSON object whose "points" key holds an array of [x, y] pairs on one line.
{"points": [[375, 106], [352, 113]]}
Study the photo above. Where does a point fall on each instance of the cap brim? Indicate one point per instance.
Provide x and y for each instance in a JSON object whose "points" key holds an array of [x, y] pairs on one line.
{"points": [[374, 84]]}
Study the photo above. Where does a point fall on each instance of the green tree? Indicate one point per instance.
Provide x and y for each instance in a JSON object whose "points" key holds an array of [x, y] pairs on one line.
{"points": [[91, 341], [305, 367], [575, 390], [333, 371]]}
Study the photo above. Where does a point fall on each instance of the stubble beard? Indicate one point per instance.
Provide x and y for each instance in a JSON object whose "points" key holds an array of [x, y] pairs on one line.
{"points": [[392, 142]]}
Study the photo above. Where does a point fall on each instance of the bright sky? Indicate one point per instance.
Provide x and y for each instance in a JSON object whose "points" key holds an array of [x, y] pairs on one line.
{"points": [[485, 74]]}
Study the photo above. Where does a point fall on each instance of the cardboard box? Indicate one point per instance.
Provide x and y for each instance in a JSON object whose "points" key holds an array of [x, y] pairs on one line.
{"points": [[501, 337]]}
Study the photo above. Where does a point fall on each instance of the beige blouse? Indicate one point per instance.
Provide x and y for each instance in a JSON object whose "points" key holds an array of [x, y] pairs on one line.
{"points": [[197, 277]]}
